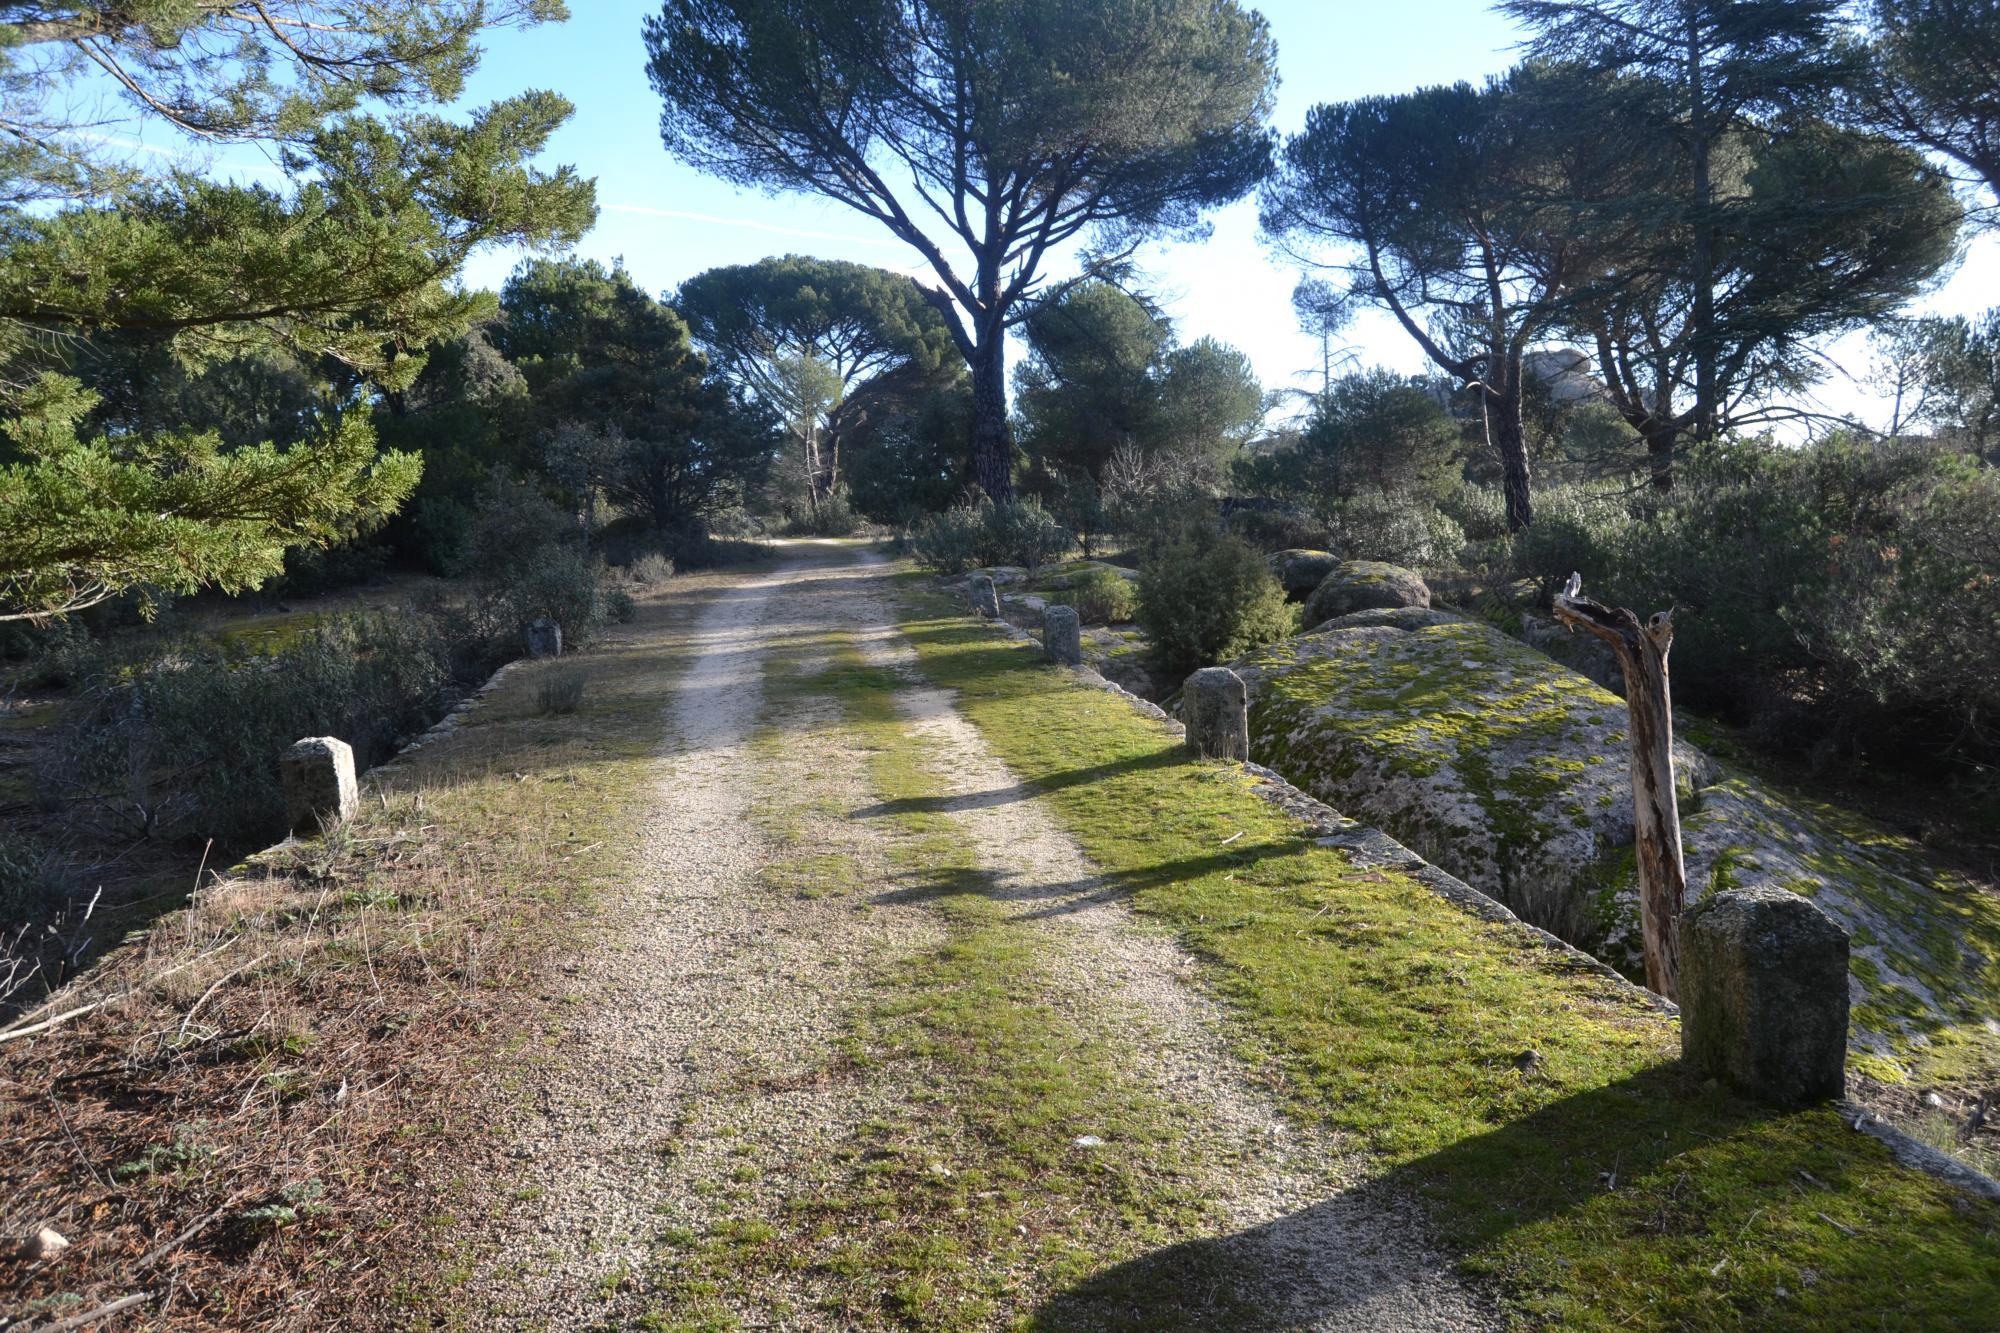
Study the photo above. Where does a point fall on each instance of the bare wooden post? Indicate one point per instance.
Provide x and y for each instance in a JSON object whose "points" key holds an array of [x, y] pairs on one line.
{"points": [[1642, 653]]}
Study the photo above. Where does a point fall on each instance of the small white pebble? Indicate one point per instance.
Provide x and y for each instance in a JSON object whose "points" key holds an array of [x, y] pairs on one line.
{"points": [[1089, 1141]]}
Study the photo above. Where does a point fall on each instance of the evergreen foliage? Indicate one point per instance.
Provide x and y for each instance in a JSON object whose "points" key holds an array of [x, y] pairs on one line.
{"points": [[1001, 132]]}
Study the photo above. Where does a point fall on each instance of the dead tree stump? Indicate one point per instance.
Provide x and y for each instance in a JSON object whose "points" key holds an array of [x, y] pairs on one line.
{"points": [[1641, 650]]}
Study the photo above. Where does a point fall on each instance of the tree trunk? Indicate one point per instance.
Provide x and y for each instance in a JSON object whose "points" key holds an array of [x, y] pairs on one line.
{"points": [[992, 434], [1702, 318], [1660, 458], [1642, 653], [1510, 439]]}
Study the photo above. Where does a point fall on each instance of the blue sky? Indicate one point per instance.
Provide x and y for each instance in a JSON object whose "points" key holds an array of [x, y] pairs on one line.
{"points": [[668, 222]]}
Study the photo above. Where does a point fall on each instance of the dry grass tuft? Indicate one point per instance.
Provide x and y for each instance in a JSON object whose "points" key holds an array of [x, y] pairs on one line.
{"points": [[264, 1118]]}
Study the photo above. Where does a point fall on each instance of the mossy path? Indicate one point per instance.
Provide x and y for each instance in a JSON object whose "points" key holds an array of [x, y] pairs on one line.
{"points": [[950, 994], [877, 1046]]}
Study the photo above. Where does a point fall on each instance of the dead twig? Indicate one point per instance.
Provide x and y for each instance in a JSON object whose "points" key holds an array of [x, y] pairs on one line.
{"points": [[101, 1312], [45, 1025], [213, 987]]}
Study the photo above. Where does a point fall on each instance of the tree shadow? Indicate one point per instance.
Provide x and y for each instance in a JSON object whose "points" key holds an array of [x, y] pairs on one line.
{"points": [[1060, 898], [1656, 1159], [1019, 791]]}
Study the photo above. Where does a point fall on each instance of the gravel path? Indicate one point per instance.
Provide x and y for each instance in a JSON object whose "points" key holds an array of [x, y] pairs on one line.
{"points": [[1326, 1264], [697, 1035]]}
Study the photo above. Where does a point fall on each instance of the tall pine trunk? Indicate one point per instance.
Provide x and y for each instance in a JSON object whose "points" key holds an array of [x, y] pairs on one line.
{"points": [[1702, 317], [1509, 438], [992, 434], [1660, 457]]}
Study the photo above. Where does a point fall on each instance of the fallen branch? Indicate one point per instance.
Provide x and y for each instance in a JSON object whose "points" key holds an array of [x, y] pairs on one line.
{"points": [[101, 1312], [213, 987], [46, 1024]]}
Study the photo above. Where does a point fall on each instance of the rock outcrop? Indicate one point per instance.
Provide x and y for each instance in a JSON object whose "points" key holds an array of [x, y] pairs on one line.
{"points": [[1364, 585], [1510, 771], [1301, 571]]}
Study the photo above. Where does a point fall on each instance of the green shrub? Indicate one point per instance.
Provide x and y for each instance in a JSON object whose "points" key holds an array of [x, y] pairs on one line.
{"points": [[310, 572], [1279, 528], [1021, 532], [560, 583], [1415, 535], [560, 692], [1078, 505], [28, 888], [189, 743], [1152, 519], [440, 532], [1835, 597], [59, 655], [1573, 532], [650, 570], [1479, 511], [831, 517], [1209, 601], [1103, 597], [619, 606], [948, 542], [1016, 532], [513, 523]]}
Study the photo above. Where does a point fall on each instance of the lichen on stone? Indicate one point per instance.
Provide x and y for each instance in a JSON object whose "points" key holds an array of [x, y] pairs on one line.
{"points": [[1508, 770]]}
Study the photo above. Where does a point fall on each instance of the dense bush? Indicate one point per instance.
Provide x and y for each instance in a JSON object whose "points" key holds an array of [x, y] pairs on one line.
{"points": [[437, 531], [1103, 597], [1375, 526], [1479, 511], [832, 517], [1372, 433], [1154, 520], [1277, 527], [1837, 596], [189, 744], [561, 583], [949, 542], [28, 886], [1208, 601], [650, 570], [1575, 531], [1021, 532], [1015, 532], [560, 692], [310, 572]]}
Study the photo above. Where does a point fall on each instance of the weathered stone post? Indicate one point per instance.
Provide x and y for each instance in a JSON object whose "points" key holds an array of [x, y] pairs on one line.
{"points": [[544, 638], [1062, 635], [1217, 708], [1642, 655], [317, 775], [985, 597], [1764, 995]]}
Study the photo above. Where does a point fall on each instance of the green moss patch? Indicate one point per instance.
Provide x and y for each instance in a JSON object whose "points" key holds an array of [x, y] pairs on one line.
{"points": [[1540, 1112], [969, 1202]]}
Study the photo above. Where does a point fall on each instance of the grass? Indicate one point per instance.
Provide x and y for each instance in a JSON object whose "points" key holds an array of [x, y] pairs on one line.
{"points": [[295, 1101], [1592, 1181], [967, 1202]]}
